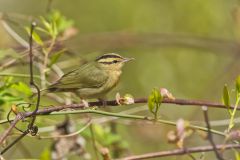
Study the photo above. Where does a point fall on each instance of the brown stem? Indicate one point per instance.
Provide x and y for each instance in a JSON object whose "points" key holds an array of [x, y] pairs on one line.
{"points": [[210, 137], [8, 131], [32, 83], [180, 152]]}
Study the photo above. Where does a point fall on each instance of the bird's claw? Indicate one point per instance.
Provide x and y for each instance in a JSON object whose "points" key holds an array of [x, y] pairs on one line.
{"points": [[85, 103]]}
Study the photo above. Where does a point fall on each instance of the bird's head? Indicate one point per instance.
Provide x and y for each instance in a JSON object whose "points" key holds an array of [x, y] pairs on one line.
{"points": [[112, 61]]}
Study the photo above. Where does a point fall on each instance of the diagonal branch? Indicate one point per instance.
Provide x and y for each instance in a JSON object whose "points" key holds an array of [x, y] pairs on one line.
{"points": [[205, 112], [8, 131]]}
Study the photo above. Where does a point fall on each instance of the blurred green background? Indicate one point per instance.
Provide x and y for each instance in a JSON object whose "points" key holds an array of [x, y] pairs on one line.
{"points": [[189, 47]]}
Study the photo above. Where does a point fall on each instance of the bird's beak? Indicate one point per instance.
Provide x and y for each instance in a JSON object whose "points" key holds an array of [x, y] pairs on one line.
{"points": [[128, 59]]}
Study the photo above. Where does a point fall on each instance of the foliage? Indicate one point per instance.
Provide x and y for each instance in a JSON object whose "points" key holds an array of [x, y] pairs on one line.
{"points": [[154, 102], [226, 101]]}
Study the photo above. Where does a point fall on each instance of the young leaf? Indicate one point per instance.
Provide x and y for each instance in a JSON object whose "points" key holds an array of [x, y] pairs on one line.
{"points": [[154, 101], [226, 98], [36, 37], [151, 103], [46, 24], [23, 88], [62, 23], [55, 57], [238, 84], [157, 96]]}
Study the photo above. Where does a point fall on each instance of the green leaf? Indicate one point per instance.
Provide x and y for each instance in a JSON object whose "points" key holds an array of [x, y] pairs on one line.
{"points": [[225, 97], [151, 103], [62, 23], [23, 88], [42, 30], [112, 138], [54, 58], [99, 131], [54, 29], [238, 84], [11, 99], [35, 36], [46, 24], [157, 96], [8, 81], [154, 101], [37, 39]]}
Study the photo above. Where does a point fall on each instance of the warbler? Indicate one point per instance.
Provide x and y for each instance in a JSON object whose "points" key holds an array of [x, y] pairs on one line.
{"points": [[94, 79]]}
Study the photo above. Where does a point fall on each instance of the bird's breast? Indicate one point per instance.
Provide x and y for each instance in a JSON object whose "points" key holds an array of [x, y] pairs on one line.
{"points": [[113, 79]]}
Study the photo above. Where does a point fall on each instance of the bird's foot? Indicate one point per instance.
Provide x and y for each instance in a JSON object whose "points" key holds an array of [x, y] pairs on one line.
{"points": [[118, 98], [85, 103]]}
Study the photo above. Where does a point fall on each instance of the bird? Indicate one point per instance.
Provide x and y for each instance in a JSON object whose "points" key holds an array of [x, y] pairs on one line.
{"points": [[94, 79]]}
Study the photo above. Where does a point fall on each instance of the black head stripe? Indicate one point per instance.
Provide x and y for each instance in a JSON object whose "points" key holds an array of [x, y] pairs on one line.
{"points": [[111, 62], [109, 56]]}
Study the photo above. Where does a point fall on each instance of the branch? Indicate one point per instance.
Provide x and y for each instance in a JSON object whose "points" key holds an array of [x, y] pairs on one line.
{"points": [[68, 135], [186, 102], [8, 131], [205, 112], [32, 83], [180, 152], [14, 142], [199, 103], [48, 110], [135, 117]]}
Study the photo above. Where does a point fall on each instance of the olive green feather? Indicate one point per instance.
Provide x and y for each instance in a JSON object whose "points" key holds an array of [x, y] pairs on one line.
{"points": [[89, 75]]}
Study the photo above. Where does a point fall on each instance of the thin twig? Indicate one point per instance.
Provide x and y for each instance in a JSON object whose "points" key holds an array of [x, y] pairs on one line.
{"points": [[14, 35], [14, 142], [68, 135], [8, 131], [32, 83], [136, 117], [210, 137], [180, 152], [18, 75]]}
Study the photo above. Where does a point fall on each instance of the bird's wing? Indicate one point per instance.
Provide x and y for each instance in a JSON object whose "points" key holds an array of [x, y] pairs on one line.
{"points": [[87, 76]]}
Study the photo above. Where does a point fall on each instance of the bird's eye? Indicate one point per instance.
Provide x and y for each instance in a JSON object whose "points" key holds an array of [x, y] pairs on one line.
{"points": [[115, 61]]}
